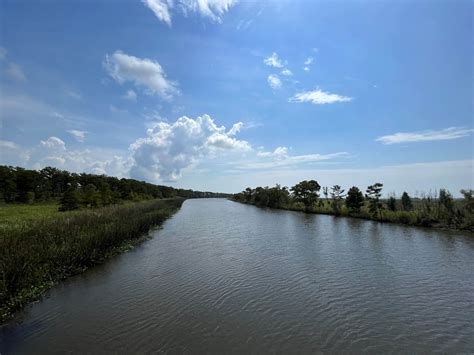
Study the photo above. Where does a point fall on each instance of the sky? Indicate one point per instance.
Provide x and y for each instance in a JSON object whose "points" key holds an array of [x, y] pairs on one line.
{"points": [[219, 95]]}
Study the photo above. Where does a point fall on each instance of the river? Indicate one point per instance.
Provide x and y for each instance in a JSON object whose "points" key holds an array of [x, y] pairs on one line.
{"points": [[223, 277]]}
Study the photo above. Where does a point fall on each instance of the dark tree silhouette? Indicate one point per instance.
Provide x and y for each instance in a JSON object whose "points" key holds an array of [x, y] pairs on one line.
{"points": [[373, 194], [406, 202], [354, 199]]}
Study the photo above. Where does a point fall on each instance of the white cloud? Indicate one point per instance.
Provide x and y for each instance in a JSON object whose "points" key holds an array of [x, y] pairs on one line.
{"points": [[212, 9], [274, 81], [130, 95], [161, 9], [115, 109], [279, 152], [281, 158], [15, 72], [171, 147], [306, 68], [53, 143], [142, 72], [286, 72], [308, 61], [319, 97], [411, 137], [80, 136], [235, 129], [273, 61]]}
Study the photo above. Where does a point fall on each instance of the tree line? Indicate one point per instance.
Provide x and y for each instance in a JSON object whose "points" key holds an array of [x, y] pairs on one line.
{"points": [[19, 185], [438, 209]]}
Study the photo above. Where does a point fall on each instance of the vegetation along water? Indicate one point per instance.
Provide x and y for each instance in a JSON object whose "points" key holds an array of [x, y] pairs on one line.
{"points": [[54, 224], [438, 209]]}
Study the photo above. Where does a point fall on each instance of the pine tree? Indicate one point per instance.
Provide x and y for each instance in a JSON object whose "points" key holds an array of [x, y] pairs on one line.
{"points": [[70, 200]]}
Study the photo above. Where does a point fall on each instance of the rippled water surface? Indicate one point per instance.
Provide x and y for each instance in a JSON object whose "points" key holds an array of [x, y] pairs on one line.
{"points": [[226, 277]]}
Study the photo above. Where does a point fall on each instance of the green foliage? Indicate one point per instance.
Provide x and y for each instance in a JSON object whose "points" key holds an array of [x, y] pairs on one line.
{"points": [[26, 186], [407, 205], [274, 197], [392, 204], [70, 200], [37, 254], [337, 195], [373, 194], [306, 192], [354, 200]]}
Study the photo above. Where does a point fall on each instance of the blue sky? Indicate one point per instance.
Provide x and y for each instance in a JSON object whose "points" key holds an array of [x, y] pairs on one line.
{"points": [[223, 94]]}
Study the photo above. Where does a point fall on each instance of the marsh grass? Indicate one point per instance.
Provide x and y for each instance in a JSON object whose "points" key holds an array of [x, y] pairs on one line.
{"points": [[36, 254]]}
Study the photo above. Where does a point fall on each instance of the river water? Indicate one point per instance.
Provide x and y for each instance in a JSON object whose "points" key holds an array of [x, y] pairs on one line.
{"points": [[223, 277]]}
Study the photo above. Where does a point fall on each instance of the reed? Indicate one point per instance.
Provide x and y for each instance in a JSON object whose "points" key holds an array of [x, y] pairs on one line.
{"points": [[36, 255]]}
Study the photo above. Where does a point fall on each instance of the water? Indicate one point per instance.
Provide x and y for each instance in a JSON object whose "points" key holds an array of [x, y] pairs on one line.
{"points": [[226, 277]]}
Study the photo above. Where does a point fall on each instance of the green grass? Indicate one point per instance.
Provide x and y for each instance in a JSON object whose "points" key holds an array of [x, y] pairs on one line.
{"points": [[14, 214], [40, 246]]}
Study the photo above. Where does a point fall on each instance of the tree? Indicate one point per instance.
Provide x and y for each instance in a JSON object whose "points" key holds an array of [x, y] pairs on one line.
{"points": [[406, 202], [354, 199], [468, 200], [90, 197], [337, 194], [69, 201], [373, 194], [306, 192], [392, 203]]}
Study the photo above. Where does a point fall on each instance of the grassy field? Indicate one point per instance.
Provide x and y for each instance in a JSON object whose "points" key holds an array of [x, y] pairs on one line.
{"points": [[14, 214], [40, 246]]}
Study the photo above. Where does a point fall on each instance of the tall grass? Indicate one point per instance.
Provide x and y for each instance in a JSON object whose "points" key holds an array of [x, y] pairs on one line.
{"points": [[35, 255]]}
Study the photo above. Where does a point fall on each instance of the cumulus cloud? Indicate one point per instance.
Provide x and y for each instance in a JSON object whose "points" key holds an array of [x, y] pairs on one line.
{"points": [[274, 81], [79, 136], [130, 95], [286, 72], [161, 9], [306, 68], [171, 147], [411, 137], [319, 97], [15, 72], [212, 9], [144, 73], [273, 61]]}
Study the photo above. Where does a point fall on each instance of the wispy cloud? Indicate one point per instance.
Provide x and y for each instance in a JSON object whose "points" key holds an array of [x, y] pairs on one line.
{"points": [[281, 158], [145, 73], [211, 9], [130, 95], [286, 72], [273, 61], [161, 9], [308, 61], [80, 136], [274, 81], [319, 97], [15, 72], [411, 137]]}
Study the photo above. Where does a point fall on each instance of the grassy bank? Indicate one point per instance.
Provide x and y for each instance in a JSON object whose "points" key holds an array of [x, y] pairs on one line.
{"points": [[420, 217], [39, 247]]}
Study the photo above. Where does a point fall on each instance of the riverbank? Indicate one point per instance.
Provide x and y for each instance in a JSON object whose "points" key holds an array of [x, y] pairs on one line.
{"points": [[417, 218], [36, 253]]}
